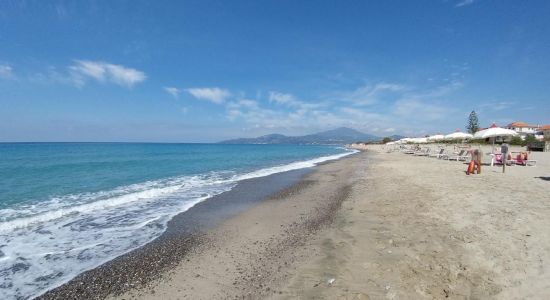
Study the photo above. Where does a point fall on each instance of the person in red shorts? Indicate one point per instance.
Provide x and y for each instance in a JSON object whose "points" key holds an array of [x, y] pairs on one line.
{"points": [[475, 162]]}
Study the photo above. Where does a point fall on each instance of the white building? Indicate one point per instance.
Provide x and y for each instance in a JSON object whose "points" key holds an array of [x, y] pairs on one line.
{"points": [[524, 129]]}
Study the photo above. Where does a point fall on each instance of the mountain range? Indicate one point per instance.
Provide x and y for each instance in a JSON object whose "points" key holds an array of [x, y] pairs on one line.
{"points": [[340, 135]]}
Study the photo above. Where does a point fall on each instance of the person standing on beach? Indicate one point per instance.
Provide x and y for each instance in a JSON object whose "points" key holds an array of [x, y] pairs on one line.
{"points": [[504, 153], [476, 156], [475, 162]]}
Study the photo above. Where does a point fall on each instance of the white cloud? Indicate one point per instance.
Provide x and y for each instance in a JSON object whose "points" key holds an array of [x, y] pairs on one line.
{"points": [[292, 101], [282, 98], [371, 94], [215, 95], [384, 86], [84, 70], [464, 3], [247, 103], [172, 91], [124, 76], [243, 108], [294, 116], [6, 72], [419, 110], [399, 108], [352, 111], [496, 105], [234, 113]]}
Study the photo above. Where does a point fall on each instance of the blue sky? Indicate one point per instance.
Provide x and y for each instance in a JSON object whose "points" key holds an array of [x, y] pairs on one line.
{"points": [[203, 71]]}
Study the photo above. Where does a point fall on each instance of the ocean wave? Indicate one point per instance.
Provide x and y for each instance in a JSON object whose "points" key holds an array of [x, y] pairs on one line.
{"points": [[292, 166], [77, 232]]}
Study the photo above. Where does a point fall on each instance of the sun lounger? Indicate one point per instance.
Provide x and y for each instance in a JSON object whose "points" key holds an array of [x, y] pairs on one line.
{"points": [[452, 156], [424, 152], [465, 156], [410, 150], [438, 154], [448, 156], [498, 160], [462, 155], [523, 160]]}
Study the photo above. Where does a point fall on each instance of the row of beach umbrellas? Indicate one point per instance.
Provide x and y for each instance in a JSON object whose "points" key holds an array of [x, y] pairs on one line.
{"points": [[491, 132]]}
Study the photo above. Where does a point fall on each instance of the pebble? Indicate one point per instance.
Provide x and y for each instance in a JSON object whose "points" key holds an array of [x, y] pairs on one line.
{"points": [[149, 262]]}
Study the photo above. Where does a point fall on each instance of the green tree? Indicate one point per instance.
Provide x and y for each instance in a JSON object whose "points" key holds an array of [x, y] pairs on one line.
{"points": [[517, 141], [386, 140], [530, 138], [473, 123]]}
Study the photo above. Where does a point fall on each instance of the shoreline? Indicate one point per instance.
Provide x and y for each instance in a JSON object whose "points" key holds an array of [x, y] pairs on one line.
{"points": [[375, 225], [185, 233], [251, 254]]}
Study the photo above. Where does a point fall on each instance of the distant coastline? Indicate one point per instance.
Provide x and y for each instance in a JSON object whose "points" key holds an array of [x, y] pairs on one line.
{"points": [[338, 136]]}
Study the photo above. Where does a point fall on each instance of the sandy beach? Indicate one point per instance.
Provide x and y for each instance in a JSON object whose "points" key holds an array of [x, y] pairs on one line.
{"points": [[419, 228], [274, 150], [375, 225], [253, 254]]}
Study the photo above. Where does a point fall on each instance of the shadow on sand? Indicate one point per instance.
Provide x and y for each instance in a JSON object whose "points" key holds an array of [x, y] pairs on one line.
{"points": [[544, 178]]}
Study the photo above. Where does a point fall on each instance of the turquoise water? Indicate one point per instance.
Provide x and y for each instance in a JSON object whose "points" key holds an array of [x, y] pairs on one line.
{"points": [[68, 207], [34, 172]]}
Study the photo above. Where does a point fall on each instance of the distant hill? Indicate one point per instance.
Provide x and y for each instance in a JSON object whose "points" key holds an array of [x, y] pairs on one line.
{"points": [[340, 135]]}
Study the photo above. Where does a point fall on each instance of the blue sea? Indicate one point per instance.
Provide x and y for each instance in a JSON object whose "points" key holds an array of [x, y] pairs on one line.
{"points": [[68, 207]]}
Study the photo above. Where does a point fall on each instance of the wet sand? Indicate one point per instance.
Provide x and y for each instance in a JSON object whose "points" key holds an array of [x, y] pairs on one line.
{"points": [[254, 253], [196, 235]]}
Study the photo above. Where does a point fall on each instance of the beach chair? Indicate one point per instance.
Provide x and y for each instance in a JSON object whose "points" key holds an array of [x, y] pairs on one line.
{"points": [[462, 155], [424, 152], [408, 151], [522, 160], [438, 154], [498, 160]]}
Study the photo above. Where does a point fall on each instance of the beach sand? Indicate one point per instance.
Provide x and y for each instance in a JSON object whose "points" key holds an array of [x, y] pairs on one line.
{"points": [[375, 225], [254, 253], [420, 228]]}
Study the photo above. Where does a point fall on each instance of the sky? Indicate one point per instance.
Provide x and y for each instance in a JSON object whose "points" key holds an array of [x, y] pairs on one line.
{"points": [[205, 71]]}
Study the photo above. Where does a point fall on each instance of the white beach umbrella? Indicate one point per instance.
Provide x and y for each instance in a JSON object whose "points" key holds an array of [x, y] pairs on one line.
{"points": [[435, 138], [421, 140], [458, 136], [404, 140], [494, 131]]}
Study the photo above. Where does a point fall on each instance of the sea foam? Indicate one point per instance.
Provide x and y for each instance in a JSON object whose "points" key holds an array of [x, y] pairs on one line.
{"points": [[45, 245]]}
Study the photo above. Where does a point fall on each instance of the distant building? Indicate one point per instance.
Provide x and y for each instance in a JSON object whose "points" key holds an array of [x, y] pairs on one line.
{"points": [[524, 129]]}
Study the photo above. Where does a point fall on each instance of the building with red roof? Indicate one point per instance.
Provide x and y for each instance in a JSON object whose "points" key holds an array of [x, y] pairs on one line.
{"points": [[524, 129]]}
